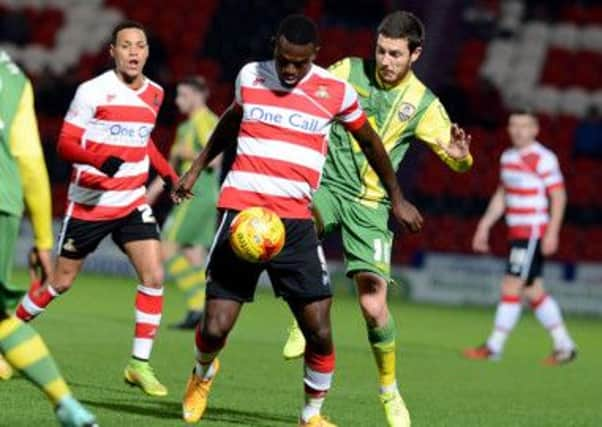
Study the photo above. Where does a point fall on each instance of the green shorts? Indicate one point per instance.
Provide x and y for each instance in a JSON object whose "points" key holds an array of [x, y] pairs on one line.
{"points": [[9, 231], [193, 222], [366, 236]]}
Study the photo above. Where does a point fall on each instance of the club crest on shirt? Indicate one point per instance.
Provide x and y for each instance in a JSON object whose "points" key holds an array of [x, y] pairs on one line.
{"points": [[322, 92], [110, 97], [406, 110]]}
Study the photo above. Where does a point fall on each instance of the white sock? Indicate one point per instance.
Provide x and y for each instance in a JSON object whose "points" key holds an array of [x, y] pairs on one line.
{"points": [[506, 316], [391, 388], [312, 407], [204, 372], [549, 315]]}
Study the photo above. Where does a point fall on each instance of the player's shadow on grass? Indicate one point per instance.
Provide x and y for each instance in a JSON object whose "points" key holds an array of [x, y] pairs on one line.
{"points": [[162, 410], [253, 418], [173, 410], [103, 388]]}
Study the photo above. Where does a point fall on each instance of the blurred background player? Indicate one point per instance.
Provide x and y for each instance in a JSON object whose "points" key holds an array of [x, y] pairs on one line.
{"points": [[531, 195], [188, 230], [106, 135], [352, 199], [23, 176], [281, 115]]}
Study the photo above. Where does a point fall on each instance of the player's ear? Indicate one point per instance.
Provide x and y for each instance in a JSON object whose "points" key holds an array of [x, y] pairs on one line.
{"points": [[416, 54], [112, 50]]}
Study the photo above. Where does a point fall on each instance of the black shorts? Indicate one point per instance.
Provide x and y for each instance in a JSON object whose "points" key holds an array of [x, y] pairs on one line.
{"points": [[525, 260], [298, 272], [80, 237]]}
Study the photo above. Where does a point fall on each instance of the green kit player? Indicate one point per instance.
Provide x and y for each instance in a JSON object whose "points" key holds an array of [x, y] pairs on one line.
{"points": [[23, 176], [352, 199], [189, 228]]}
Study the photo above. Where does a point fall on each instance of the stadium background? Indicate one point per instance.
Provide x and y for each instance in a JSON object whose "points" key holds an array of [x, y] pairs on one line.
{"points": [[481, 57]]}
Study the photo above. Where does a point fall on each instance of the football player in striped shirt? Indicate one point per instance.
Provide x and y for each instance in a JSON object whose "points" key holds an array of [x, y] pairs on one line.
{"points": [[281, 116], [352, 198], [532, 197], [23, 177], [106, 135]]}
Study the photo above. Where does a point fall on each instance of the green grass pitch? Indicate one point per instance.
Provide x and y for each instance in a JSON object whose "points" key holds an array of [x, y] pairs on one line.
{"points": [[89, 331]]}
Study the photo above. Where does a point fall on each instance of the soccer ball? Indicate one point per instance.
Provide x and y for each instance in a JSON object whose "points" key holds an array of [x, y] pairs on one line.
{"points": [[257, 234]]}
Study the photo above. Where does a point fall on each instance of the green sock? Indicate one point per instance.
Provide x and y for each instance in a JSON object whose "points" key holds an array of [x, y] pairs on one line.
{"points": [[382, 341]]}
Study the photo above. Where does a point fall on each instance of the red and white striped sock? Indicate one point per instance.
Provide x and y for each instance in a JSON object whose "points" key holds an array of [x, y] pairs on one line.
{"points": [[149, 307], [318, 372], [205, 355], [35, 301], [506, 316], [548, 313]]}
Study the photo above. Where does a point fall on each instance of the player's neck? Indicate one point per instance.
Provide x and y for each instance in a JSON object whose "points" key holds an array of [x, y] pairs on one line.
{"points": [[526, 146], [196, 111], [133, 83]]}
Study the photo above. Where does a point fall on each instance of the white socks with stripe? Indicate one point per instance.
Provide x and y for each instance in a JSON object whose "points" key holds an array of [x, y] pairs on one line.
{"points": [[548, 313], [506, 316]]}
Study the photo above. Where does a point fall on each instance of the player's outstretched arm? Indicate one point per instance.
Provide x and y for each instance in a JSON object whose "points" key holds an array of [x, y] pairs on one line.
{"points": [[495, 210], [370, 143], [224, 135]]}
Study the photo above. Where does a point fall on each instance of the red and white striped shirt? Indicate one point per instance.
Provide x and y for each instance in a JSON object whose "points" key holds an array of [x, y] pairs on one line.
{"points": [[109, 118], [282, 138], [527, 176]]}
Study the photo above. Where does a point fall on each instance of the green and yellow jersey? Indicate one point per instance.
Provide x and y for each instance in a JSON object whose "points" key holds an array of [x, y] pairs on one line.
{"points": [[23, 174], [399, 114], [191, 137]]}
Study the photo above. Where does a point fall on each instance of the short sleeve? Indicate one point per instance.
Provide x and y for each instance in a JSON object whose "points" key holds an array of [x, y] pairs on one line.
{"points": [[351, 114], [81, 110], [434, 125], [549, 171]]}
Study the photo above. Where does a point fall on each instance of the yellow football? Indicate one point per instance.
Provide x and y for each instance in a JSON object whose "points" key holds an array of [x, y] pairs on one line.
{"points": [[257, 234]]}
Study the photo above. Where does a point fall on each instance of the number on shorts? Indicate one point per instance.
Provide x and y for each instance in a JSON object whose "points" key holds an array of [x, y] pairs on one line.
{"points": [[517, 259], [382, 251], [147, 214]]}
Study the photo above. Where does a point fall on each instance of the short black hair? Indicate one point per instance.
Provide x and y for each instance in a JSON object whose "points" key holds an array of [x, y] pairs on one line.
{"points": [[298, 29], [522, 111], [126, 24], [198, 83], [403, 25]]}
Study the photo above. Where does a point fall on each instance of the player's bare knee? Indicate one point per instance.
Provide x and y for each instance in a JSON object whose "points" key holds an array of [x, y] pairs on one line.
{"points": [[319, 335], [512, 285]]}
